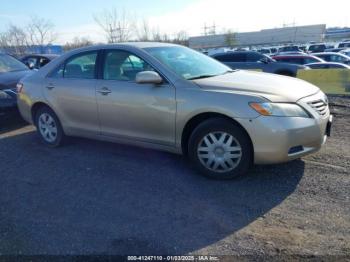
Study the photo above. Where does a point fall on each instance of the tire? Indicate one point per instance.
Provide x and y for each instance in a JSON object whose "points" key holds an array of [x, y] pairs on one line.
{"points": [[227, 155], [49, 127]]}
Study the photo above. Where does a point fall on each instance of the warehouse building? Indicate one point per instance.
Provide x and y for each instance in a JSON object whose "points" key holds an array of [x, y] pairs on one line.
{"points": [[276, 36], [337, 34]]}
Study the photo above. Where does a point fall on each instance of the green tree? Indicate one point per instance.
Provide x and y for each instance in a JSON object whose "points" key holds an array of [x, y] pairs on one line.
{"points": [[230, 38]]}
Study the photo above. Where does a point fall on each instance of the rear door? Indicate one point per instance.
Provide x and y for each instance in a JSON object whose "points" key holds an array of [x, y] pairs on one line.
{"points": [[70, 90]]}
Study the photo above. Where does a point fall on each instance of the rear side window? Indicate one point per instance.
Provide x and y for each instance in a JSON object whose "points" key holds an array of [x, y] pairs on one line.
{"points": [[254, 57], [238, 57], [310, 60], [79, 67], [337, 58], [291, 60]]}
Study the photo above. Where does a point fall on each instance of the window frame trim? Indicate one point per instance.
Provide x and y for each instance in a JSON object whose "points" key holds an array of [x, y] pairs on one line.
{"points": [[103, 56], [65, 61]]}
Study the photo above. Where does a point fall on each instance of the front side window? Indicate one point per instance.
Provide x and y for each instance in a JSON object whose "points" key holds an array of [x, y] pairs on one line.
{"points": [[43, 61], [123, 66], [80, 66]]}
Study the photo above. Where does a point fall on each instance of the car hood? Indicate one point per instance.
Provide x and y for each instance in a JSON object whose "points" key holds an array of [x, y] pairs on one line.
{"points": [[275, 88], [9, 80]]}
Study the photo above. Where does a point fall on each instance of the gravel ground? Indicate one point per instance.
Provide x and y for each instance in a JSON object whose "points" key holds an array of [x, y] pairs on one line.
{"points": [[100, 198]]}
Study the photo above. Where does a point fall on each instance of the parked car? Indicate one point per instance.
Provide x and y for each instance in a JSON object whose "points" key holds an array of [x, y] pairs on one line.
{"points": [[274, 50], [265, 51], [291, 53], [291, 48], [334, 50], [303, 48], [255, 60], [176, 99], [36, 61], [298, 59], [11, 71], [344, 45], [328, 65], [317, 48], [334, 57], [345, 52]]}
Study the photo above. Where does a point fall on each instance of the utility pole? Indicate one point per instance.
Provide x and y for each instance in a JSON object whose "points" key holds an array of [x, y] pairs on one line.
{"points": [[209, 30]]}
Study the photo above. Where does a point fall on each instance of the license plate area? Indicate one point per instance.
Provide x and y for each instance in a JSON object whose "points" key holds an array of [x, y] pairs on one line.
{"points": [[329, 126]]}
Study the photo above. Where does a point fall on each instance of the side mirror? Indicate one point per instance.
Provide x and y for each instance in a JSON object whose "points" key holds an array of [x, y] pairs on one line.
{"points": [[264, 60], [148, 77]]}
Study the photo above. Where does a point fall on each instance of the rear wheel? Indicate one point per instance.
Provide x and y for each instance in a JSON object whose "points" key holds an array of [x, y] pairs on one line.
{"points": [[49, 127], [220, 149]]}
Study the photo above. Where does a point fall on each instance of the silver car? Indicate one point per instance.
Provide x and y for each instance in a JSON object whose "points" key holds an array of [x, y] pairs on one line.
{"points": [[169, 97]]}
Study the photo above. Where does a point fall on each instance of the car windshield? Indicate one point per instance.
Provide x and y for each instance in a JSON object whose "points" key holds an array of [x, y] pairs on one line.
{"points": [[10, 64], [188, 63]]}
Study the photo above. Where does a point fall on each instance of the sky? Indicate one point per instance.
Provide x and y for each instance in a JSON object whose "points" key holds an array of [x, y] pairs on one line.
{"points": [[76, 17]]}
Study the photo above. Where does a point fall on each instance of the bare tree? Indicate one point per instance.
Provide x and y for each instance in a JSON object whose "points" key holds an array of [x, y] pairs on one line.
{"points": [[156, 35], [117, 26], [181, 38], [41, 31], [77, 43], [144, 31], [14, 40]]}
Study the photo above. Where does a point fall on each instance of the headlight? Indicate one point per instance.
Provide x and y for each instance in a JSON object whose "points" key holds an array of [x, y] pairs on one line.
{"points": [[279, 109], [4, 95]]}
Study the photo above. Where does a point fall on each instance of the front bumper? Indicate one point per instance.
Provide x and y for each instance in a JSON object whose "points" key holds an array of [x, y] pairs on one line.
{"points": [[281, 139], [8, 105]]}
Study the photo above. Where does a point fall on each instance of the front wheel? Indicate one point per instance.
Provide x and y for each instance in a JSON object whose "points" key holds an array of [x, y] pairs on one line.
{"points": [[220, 149], [49, 127]]}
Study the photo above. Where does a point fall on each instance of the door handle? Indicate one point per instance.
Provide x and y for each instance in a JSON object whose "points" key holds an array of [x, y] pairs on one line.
{"points": [[104, 91]]}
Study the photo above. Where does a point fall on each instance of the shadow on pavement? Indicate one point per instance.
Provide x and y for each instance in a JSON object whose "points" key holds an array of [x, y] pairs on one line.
{"points": [[100, 198], [10, 123]]}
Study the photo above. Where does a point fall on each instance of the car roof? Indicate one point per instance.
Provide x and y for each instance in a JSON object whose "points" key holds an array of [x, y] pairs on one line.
{"points": [[43, 55], [236, 52], [328, 63], [295, 56], [327, 53], [332, 53], [140, 45]]}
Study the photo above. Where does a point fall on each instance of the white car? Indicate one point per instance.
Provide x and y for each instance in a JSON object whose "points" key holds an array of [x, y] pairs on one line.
{"points": [[334, 57]]}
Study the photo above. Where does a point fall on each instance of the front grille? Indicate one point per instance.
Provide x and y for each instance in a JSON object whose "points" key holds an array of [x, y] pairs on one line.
{"points": [[320, 106]]}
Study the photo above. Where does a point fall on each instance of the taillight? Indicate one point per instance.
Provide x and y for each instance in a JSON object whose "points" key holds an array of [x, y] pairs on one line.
{"points": [[19, 87]]}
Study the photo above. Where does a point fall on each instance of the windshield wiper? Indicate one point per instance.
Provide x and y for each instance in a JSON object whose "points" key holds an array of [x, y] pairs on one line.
{"points": [[200, 77], [207, 76], [229, 71]]}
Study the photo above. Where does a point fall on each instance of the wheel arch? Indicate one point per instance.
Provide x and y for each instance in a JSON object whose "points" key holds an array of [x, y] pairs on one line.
{"points": [[36, 106], [193, 122]]}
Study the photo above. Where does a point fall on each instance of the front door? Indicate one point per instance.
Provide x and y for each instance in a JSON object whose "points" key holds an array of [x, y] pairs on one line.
{"points": [[141, 112]]}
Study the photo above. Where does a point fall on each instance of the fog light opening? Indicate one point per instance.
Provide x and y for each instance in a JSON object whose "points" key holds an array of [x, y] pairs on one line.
{"points": [[295, 149]]}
